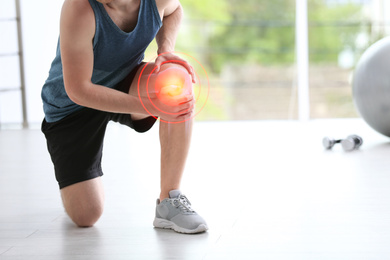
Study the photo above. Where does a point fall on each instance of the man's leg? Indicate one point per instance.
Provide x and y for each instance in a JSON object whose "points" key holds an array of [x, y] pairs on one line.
{"points": [[174, 138], [84, 201], [175, 143], [173, 210], [75, 145]]}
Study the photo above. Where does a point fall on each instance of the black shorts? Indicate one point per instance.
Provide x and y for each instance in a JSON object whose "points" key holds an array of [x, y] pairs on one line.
{"points": [[75, 142]]}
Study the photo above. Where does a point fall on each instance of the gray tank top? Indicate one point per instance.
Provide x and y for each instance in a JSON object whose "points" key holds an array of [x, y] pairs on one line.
{"points": [[116, 54]]}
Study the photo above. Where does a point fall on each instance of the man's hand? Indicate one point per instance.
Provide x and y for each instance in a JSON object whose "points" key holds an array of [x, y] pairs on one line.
{"points": [[169, 57], [181, 110]]}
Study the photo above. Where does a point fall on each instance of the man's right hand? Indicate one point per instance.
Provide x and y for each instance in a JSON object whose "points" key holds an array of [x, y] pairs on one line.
{"points": [[180, 110]]}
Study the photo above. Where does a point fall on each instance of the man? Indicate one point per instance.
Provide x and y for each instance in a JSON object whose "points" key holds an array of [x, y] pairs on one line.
{"points": [[96, 78]]}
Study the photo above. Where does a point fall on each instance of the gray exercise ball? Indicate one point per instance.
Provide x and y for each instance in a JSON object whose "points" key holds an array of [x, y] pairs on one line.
{"points": [[371, 86]]}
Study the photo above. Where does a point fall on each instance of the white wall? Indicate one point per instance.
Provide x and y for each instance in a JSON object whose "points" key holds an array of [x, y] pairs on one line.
{"points": [[40, 23], [40, 32]]}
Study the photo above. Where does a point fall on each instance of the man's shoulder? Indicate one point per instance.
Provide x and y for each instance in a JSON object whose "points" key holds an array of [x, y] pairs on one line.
{"points": [[79, 6], [77, 9], [77, 16], [167, 6], [77, 2]]}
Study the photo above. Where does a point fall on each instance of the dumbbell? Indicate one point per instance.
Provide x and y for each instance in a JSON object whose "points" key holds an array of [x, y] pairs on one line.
{"points": [[352, 142], [328, 142]]}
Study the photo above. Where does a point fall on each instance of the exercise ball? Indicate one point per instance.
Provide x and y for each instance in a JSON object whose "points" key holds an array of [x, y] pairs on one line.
{"points": [[371, 86]]}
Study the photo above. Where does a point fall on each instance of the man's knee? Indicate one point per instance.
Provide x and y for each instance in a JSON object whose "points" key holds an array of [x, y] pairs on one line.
{"points": [[84, 202], [87, 217], [150, 82]]}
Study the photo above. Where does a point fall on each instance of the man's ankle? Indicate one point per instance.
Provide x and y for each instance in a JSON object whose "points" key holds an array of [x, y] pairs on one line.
{"points": [[164, 194]]}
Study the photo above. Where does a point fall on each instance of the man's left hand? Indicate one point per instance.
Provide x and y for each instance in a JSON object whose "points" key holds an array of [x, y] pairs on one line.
{"points": [[169, 57]]}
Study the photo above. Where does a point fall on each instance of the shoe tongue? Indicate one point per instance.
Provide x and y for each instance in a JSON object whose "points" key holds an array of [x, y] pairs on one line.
{"points": [[174, 194]]}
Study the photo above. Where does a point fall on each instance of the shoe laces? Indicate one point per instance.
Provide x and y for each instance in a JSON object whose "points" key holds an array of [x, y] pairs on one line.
{"points": [[183, 204]]}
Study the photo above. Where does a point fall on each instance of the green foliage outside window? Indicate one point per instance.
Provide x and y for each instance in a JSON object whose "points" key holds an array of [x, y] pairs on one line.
{"points": [[263, 31]]}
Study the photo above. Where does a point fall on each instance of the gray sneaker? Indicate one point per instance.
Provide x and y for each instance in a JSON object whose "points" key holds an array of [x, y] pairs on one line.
{"points": [[176, 213]]}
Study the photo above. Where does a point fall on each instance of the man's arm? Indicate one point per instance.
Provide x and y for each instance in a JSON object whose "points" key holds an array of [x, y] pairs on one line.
{"points": [[166, 37], [77, 29], [172, 16]]}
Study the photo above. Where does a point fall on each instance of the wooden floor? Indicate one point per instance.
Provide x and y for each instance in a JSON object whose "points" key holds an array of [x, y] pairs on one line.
{"points": [[267, 189]]}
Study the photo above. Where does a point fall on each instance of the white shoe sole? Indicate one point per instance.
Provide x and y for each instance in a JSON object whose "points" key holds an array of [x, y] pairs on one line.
{"points": [[163, 223]]}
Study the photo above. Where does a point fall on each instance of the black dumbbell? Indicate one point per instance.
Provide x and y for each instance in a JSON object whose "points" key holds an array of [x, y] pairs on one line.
{"points": [[352, 142]]}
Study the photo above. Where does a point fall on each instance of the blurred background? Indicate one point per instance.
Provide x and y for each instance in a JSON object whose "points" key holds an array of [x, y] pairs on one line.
{"points": [[247, 47]]}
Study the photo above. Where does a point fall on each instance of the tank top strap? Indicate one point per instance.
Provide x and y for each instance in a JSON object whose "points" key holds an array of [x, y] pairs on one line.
{"points": [[98, 19]]}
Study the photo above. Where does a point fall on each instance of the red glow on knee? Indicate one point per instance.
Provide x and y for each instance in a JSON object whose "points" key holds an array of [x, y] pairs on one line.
{"points": [[172, 84]]}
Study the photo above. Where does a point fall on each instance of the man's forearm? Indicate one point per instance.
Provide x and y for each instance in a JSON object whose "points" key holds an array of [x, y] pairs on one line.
{"points": [[107, 99], [166, 37]]}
